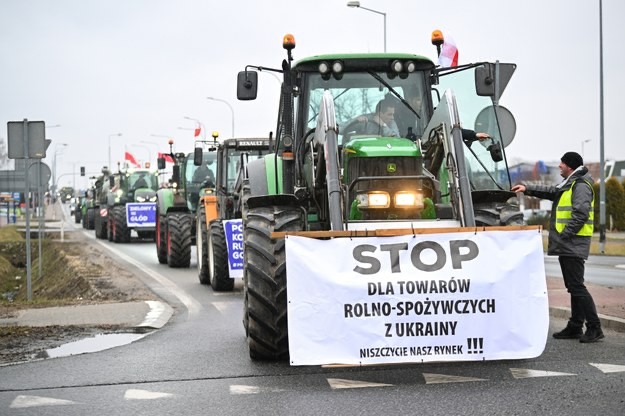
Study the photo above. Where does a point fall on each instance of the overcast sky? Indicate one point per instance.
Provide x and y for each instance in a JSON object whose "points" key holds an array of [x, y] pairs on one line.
{"points": [[139, 67]]}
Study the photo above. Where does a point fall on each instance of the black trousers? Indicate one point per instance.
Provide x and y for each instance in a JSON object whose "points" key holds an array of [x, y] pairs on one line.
{"points": [[582, 305]]}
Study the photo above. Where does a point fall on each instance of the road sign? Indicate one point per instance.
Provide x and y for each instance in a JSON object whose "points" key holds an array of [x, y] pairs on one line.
{"points": [[35, 147], [14, 181]]}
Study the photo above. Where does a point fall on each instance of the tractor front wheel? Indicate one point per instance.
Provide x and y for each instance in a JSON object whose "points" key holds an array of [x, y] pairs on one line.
{"points": [[264, 280], [218, 259], [179, 239], [201, 239]]}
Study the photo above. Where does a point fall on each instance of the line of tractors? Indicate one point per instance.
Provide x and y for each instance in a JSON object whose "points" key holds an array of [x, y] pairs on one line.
{"points": [[332, 166]]}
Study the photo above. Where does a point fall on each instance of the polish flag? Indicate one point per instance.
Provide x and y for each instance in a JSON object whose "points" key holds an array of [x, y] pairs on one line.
{"points": [[449, 54], [197, 131], [131, 160], [165, 156]]}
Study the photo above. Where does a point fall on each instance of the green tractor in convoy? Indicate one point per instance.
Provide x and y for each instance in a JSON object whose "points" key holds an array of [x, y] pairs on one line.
{"points": [[131, 204], [338, 168], [215, 209], [176, 205]]}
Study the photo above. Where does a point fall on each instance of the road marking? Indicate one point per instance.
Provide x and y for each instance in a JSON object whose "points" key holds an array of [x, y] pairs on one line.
{"points": [[340, 383], [37, 401], [158, 316], [620, 266], [609, 368], [135, 394], [243, 389], [224, 306], [193, 306], [527, 373], [431, 378]]}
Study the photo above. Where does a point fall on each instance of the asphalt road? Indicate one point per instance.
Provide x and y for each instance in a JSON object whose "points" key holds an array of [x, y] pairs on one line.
{"points": [[198, 364]]}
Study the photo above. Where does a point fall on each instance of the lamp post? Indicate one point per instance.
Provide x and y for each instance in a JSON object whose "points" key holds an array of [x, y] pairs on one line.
{"points": [[56, 151], [202, 126], [356, 4], [229, 106], [602, 213], [584, 141], [111, 135]]}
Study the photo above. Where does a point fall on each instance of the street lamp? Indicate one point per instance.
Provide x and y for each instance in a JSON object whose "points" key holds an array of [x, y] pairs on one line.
{"points": [[202, 127], [229, 106], [111, 135], [584, 141], [56, 151], [356, 4], [145, 147]]}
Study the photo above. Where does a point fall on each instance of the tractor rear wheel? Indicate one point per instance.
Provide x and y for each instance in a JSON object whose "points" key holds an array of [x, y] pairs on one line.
{"points": [[201, 240], [218, 258], [264, 271], [90, 218], [179, 239]]}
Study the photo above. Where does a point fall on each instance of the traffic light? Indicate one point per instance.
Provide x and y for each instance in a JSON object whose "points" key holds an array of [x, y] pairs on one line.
{"points": [[82, 171]]}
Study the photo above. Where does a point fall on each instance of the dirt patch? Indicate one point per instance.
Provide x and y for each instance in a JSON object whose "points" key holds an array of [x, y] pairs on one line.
{"points": [[76, 271]]}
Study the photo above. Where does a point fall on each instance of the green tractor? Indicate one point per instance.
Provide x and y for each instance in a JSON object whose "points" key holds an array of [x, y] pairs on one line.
{"points": [[99, 206], [339, 166], [131, 204], [176, 206], [215, 209]]}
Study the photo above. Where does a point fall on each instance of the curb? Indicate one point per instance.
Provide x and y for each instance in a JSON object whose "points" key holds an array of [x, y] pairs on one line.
{"points": [[158, 315], [607, 322]]}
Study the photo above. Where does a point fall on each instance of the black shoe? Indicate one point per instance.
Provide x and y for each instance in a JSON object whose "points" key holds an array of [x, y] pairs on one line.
{"points": [[592, 335], [569, 332]]}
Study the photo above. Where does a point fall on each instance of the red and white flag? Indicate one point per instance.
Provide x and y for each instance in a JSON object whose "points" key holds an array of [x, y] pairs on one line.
{"points": [[197, 131], [449, 54], [165, 156], [131, 160]]}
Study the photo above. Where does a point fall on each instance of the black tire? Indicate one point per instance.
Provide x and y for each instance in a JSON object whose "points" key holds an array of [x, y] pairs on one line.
{"points": [[85, 220], [201, 240], [100, 224], [245, 195], [179, 239], [121, 232], [90, 218], [77, 216], [109, 226], [264, 270], [161, 238], [218, 258]]}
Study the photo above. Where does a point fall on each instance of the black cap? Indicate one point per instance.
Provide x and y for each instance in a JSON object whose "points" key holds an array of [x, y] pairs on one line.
{"points": [[572, 160]]}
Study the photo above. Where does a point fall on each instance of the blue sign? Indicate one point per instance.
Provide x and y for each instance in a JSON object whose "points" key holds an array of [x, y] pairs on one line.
{"points": [[234, 242], [141, 214]]}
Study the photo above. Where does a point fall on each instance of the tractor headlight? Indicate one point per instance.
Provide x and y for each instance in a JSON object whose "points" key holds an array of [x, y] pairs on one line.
{"points": [[408, 199], [153, 198], [140, 199], [374, 199], [397, 66], [324, 68]]}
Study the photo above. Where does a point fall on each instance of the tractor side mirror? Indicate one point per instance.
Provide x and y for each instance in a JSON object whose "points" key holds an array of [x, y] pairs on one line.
{"points": [[160, 163], [490, 118], [491, 74], [247, 85], [197, 156]]}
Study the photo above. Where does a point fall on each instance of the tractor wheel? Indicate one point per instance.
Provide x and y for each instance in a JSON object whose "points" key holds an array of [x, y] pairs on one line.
{"points": [[110, 224], [100, 224], [218, 259], [179, 239], [77, 216], [90, 218], [85, 220], [161, 238], [121, 232], [201, 240], [264, 270]]}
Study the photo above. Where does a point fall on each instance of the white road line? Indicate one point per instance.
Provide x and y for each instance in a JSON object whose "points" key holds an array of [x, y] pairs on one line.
{"points": [[340, 383], [193, 306], [527, 373], [38, 401], [609, 368], [136, 394], [431, 378]]}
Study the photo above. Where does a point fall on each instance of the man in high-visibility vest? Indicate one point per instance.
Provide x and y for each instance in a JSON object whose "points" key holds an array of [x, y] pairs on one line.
{"points": [[570, 232]]}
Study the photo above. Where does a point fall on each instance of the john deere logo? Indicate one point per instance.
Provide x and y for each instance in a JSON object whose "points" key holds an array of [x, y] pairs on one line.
{"points": [[391, 168]]}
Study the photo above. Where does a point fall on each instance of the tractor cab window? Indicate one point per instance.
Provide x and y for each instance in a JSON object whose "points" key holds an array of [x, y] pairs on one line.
{"points": [[356, 96], [137, 180], [231, 170], [486, 170], [197, 177]]}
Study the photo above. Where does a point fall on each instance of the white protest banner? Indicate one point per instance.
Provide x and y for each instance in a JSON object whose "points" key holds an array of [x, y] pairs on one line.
{"points": [[458, 296]]}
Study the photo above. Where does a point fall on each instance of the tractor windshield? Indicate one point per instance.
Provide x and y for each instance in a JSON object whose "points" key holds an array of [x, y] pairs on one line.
{"points": [[231, 170], [142, 179], [486, 172], [357, 94]]}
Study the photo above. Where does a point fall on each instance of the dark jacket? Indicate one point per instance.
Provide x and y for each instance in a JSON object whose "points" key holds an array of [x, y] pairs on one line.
{"points": [[568, 243]]}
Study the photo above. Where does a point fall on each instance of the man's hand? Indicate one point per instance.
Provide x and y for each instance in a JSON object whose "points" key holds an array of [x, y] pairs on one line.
{"points": [[518, 188]]}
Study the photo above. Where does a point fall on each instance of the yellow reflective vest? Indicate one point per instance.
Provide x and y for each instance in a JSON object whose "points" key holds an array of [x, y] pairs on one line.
{"points": [[565, 210]]}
